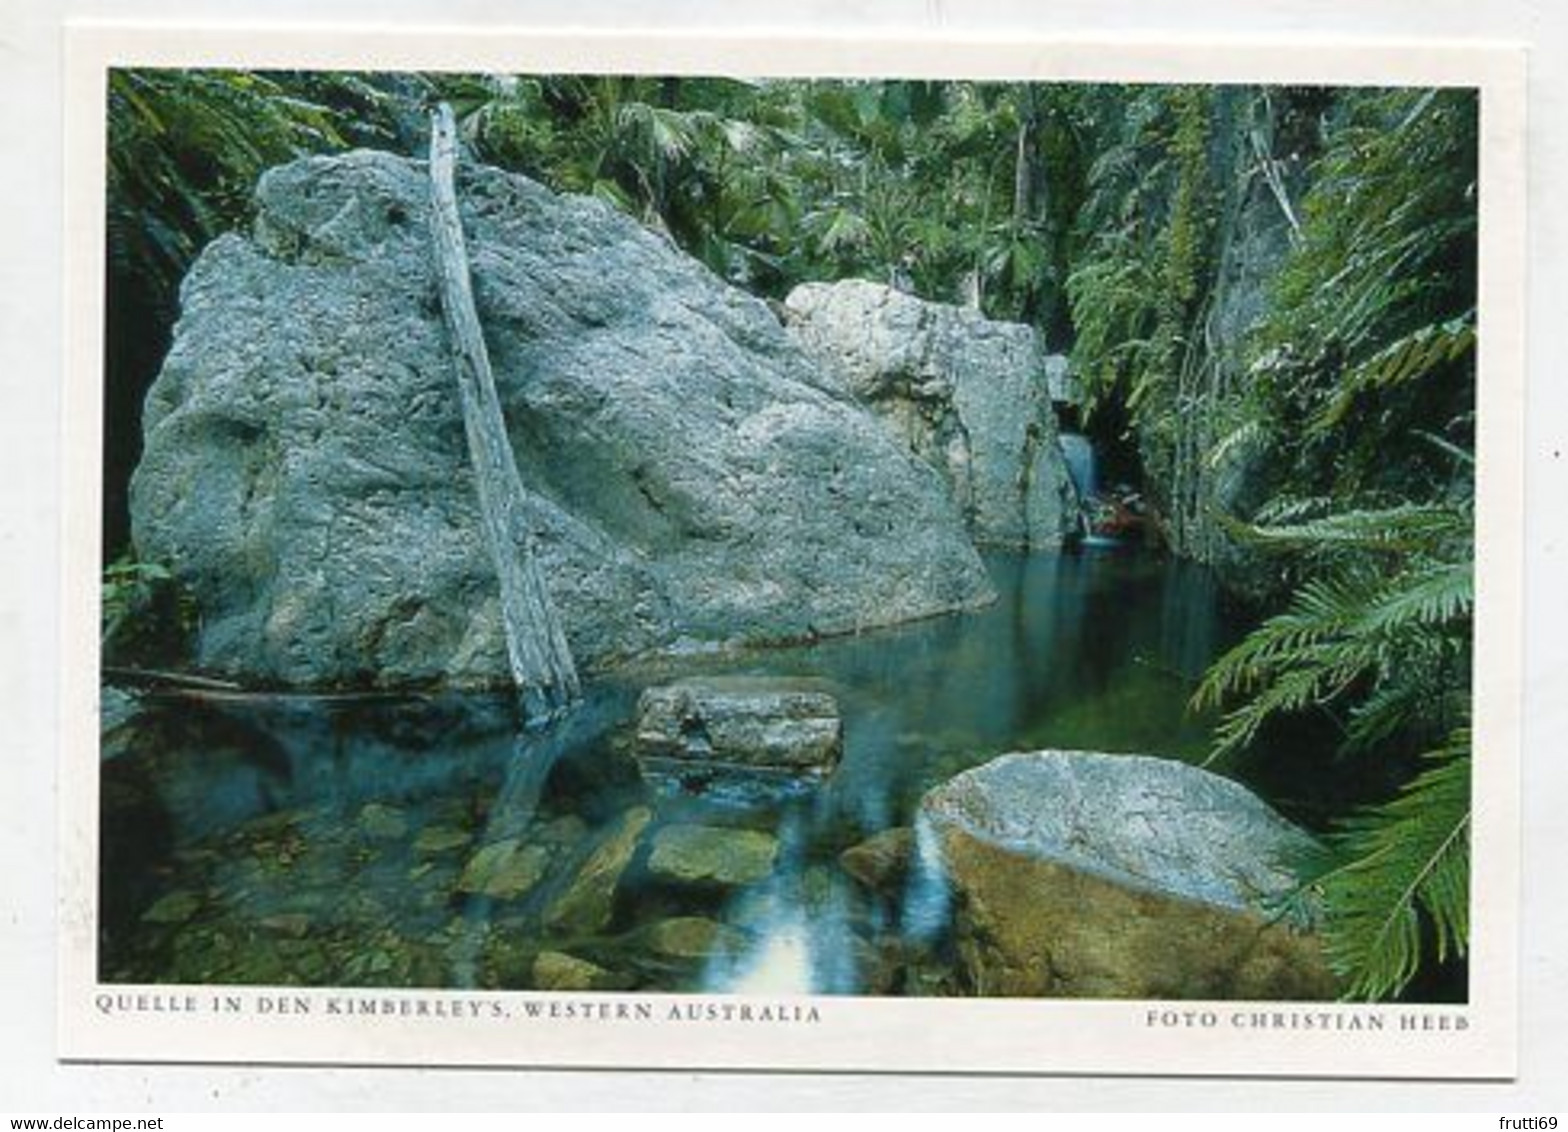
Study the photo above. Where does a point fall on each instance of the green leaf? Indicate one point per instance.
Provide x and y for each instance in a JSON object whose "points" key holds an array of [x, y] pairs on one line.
{"points": [[1403, 887]]}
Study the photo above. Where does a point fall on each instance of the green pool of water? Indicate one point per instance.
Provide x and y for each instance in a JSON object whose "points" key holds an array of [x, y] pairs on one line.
{"points": [[426, 842]]}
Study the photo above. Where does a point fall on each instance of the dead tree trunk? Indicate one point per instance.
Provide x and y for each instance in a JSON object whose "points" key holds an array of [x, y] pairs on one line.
{"points": [[536, 645]]}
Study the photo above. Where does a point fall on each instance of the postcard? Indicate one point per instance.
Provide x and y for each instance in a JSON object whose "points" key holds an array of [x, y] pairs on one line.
{"points": [[676, 551]]}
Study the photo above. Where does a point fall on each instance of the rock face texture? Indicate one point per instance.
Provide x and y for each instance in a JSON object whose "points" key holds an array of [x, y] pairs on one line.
{"points": [[1119, 876], [695, 477], [970, 397], [761, 722]]}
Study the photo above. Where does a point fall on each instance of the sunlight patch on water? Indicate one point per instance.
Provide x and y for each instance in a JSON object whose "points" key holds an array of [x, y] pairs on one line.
{"points": [[781, 963]]}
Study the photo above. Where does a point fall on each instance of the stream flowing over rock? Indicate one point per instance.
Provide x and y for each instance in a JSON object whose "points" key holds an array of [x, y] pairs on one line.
{"points": [[970, 397], [1090, 875], [693, 476]]}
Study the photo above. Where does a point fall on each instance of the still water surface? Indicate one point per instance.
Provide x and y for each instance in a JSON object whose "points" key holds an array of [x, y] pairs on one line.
{"points": [[306, 842]]}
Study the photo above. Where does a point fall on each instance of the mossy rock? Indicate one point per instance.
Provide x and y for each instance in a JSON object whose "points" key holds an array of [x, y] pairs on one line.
{"points": [[504, 870], [559, 971], [383, 823], [588, 903], [712, 855], [173, 908], [438, 839]]}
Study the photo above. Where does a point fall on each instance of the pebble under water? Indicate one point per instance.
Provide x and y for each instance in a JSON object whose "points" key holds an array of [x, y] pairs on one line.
{"points": [[425, 842]]}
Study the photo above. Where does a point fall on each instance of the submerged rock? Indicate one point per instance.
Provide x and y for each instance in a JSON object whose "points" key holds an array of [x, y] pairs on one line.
{"points": [[1120, 876], [295, 925], [589, 902], [764, 722], [970, 397], [382, 822], [694, 475], [505, 869], [174, 908], [712, 855], [438, 839], [881, 862], [693, 937], [558, 971]]}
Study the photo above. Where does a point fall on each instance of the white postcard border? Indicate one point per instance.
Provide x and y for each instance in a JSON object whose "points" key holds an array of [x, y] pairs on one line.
{"points": [[279, 1025]]}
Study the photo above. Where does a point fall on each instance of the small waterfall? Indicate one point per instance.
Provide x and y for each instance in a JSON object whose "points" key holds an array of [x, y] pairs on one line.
{"points": [[1078, 451]]}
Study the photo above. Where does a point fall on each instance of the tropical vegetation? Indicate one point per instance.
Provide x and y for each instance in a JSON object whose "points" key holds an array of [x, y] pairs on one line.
{"points": [[1269, 295]]}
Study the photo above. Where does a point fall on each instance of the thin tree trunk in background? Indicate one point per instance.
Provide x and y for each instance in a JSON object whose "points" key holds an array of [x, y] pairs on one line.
{"points": [[541, 661], [1023, 171]]}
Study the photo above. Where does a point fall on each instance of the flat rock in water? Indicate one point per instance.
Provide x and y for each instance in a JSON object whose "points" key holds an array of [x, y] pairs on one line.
{"points": [[693, 937], [969, 396], [589, 902], [558, 971], [761, 722], [505, 869], [438, 839], [174, 908], [1080, 874], [712, 855], [295, 925], [385, 823], [694, 475]]}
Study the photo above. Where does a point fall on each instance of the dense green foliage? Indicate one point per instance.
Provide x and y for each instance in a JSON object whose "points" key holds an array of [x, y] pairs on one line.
{"points": [[771, 184], [1268, 294], [1363, 374]]}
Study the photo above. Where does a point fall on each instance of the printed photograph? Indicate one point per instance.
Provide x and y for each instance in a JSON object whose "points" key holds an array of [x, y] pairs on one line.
{"points": [[787, 537]]}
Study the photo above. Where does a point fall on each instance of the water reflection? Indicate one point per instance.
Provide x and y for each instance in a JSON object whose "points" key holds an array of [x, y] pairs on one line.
{"points": [[430, 842]]}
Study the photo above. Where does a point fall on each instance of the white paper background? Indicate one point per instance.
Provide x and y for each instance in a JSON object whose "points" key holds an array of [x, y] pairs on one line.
{"points": [[30, 368]]}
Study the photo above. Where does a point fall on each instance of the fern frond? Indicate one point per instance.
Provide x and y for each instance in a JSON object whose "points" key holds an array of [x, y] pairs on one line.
{"points": [[1248, 436], [1407, 359], [1430, 595], [1405, 872], [1400, 529]]}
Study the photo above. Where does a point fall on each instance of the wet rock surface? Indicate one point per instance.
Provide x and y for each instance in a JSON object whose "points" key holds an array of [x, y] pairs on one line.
{"points": [[693, 937], [504, 870], [759, 722], [881, 862], [558, 971], [588, 903], [704, 855]]}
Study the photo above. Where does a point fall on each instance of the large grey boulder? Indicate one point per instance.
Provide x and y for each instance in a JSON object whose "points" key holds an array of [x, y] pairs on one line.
{"points": [[696, 478], [970, 397], [1120, 876]]}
